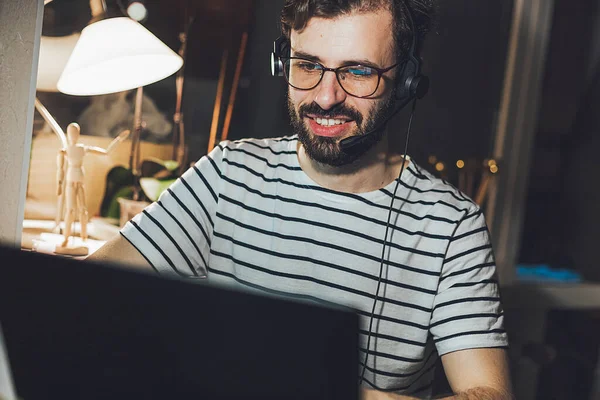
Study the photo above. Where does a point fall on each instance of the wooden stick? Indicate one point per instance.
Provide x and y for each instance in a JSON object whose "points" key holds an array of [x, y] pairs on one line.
{"points": [[461, 180], [483, 188], [179, 147], [234, 86], [470, 178], [97, 7], [217, 110], [134, 156]]}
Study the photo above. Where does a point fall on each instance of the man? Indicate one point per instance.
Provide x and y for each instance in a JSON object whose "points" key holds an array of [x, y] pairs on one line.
{"points": [[303, 217]]}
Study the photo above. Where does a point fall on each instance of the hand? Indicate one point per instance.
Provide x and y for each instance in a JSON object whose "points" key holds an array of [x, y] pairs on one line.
{"points": [[123, 135]]}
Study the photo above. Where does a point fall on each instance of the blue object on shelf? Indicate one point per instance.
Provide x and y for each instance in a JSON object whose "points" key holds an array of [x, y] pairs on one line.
{"points": [[544, 273]]}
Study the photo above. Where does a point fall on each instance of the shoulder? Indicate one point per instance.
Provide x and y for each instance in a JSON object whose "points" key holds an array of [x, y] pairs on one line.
{"points": [[445, 199], [258, 157], [266, 148]]}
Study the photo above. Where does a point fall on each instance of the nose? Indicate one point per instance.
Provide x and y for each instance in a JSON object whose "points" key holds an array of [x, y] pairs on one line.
{"points": [[329, 91]]}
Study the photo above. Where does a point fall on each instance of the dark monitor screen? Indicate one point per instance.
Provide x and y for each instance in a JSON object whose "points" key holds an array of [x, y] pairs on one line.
{"points": [[78, 330]]}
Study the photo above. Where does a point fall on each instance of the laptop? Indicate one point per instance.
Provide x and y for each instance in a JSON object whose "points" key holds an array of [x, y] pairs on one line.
{"points": [[79, 330]]}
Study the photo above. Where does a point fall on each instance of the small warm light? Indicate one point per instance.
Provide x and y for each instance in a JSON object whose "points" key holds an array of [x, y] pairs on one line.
{"points": [[432, 159], [440, 166], [460, 164], [491, 162], [494, 169], [115, 55]]}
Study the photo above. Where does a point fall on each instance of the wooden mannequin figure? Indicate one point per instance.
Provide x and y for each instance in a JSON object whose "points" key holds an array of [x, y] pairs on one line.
{"points": [[71, 191]]}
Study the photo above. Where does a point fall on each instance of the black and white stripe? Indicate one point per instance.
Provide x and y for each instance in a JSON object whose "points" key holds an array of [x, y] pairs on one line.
{"points": [[247, 215]]}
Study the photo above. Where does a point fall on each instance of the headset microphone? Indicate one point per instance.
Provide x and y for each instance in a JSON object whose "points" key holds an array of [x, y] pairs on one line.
{"points": [[353, 145]]}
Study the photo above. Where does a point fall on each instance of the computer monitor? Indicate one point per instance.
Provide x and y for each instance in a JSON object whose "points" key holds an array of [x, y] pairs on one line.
{"points": [[79, 330]]}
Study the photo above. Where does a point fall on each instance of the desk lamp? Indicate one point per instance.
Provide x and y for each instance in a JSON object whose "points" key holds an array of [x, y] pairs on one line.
{"points": [[112, 54], [115, 54]]}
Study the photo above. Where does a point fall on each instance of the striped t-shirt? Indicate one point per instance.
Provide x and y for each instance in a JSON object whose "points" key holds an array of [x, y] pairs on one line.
{"points": [[247, 215]]}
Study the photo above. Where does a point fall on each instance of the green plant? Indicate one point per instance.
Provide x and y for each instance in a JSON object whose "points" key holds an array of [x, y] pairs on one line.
{"points": [[157, 176]]}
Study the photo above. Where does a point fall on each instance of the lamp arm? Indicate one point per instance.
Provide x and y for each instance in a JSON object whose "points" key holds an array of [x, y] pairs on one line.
{"points": [[52, 122]]}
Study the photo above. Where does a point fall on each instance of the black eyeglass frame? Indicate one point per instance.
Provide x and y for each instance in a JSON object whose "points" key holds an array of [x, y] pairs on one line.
{"points": [[380, 72]]}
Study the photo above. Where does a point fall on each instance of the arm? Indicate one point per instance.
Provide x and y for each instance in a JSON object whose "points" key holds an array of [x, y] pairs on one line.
{"points": [[60, 170], [119, 251], [467, 321], [480, 374], [173, 234], [475, 374], [97, 150]]}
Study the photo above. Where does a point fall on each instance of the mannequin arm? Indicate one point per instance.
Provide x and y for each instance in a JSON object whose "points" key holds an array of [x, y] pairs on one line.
{"points": [[97, 150], [60, 170], [60, 180]]}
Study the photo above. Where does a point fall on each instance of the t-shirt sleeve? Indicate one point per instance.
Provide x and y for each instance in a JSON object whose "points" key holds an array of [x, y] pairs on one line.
{"points": [[175, 232], [467, 311]]}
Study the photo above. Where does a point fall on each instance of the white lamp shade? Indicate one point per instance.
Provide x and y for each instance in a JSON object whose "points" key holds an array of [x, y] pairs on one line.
{"points": [[54, 54], [114, 55]]}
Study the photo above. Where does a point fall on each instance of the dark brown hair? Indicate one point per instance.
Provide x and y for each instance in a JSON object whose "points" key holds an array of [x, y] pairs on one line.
{"points": [[296, 14]]}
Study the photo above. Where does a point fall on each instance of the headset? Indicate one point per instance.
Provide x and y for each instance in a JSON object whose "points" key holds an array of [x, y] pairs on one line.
{"points": [[411, 86]]}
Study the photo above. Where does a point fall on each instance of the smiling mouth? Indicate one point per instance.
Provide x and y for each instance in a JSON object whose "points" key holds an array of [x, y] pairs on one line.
{"points": [[329, 121], [329, 127]]}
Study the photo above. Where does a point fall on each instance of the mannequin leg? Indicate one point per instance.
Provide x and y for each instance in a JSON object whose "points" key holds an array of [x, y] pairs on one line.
{"points": [[70, 212], [83, 212]]}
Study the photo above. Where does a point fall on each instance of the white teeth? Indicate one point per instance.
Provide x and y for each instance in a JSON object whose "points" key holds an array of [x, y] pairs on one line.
{"points": [[329, 121]]}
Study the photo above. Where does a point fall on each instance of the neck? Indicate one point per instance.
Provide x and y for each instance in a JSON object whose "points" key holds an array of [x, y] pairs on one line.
{"points": [[375, 169]]}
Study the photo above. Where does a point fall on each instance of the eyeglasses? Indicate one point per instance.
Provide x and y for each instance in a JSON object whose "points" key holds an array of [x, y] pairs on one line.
{"points": [[356, 80]]}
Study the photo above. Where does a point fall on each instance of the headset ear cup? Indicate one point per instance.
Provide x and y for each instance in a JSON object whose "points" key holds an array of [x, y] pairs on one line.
{"points": [[411, 84], [403, 83], [419, 86], [281, 48], [276, 65], [412, 87]]}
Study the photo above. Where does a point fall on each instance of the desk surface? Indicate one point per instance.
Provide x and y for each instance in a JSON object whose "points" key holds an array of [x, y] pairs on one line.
{"points": [[585, 295]]}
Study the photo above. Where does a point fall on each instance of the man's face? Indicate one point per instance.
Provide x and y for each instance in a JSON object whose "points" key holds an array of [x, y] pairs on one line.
{"points": [[325, 115]]}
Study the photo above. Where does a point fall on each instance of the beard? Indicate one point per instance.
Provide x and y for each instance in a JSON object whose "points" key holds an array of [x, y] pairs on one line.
{"points": [[327, 150]]}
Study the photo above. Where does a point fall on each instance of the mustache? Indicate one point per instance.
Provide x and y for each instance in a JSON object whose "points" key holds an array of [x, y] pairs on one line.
{"points": [[340, 110]]}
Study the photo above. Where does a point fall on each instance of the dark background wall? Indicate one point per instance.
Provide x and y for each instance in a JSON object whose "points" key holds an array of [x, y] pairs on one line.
{"points": [[563, 202], [465, 60], [464, 56]]}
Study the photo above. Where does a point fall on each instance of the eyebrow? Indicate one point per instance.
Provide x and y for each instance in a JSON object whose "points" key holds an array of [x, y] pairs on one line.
{"points": [[311, 57]]}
